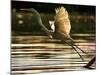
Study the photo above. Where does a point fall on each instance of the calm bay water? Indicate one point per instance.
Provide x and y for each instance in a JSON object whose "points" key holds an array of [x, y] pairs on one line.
{"points": [[37, 53]]}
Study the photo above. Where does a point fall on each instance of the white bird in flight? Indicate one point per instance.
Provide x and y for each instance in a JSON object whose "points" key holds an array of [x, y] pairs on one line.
{"points": [[60, 27]]}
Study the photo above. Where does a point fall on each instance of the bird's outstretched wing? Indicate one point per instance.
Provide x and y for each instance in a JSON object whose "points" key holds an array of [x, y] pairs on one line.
{"points": [[63, 27], [62, 22]]}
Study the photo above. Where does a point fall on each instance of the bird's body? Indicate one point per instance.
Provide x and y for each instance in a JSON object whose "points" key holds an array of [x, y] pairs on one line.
{"points": [[63, 27]]}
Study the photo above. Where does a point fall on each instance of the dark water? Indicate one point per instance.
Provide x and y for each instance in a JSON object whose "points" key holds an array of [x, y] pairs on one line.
{"points": [[37, 53]]}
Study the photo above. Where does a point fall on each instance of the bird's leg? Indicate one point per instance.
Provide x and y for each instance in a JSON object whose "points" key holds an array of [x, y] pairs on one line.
{"points": [[70, 43], [74, 49], [73, 43]]}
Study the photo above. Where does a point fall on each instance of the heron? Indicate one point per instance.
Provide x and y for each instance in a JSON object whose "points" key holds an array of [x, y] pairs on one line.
{"points": [[60, 29]]}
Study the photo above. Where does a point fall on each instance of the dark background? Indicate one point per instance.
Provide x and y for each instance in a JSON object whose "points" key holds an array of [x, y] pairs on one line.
{"points": [[49, 7], [82, 17]]}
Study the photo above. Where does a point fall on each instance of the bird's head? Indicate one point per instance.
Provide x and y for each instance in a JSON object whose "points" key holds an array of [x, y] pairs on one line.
{"points": [[52, 25]]}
